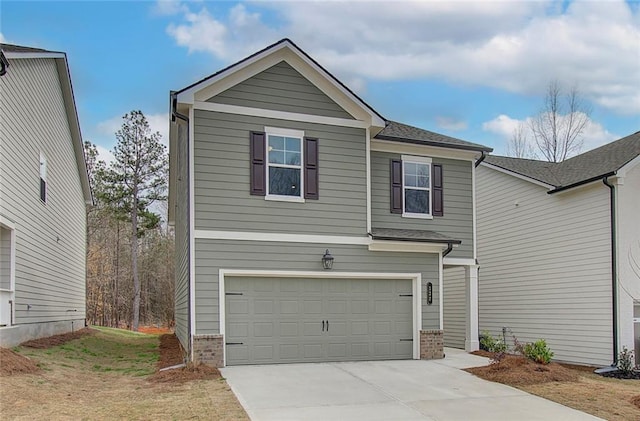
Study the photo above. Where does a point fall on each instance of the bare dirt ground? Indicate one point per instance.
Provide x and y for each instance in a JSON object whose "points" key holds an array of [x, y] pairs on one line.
{"points": [[571, 385], [111, 374]]}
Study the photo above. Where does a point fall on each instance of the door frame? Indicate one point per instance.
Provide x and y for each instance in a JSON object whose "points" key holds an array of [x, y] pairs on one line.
{"points": [[416, 279]]}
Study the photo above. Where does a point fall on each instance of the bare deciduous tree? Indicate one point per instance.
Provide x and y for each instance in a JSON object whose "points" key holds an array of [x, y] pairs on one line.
{"points": [[559, 126], [519, 145]]}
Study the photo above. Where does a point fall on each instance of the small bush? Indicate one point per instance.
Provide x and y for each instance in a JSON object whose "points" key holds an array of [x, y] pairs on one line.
{"points": [[626, 361], [491, 344], [538, 352]]}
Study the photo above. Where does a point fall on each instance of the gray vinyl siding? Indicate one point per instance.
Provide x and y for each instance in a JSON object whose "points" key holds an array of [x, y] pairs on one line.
{"points": [[281, 88], [222, 199], [5, 258], [182, 237], [454, 313], [457, 221], [212, 255], [50, 238], [545, 265]]}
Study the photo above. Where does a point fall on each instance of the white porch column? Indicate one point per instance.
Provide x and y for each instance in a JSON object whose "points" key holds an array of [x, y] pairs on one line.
{"points": [[471, 342]]}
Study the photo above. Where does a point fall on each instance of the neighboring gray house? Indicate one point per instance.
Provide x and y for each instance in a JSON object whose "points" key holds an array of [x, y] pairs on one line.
{"points": [[274, 164], [559, 248], [43, 192]]}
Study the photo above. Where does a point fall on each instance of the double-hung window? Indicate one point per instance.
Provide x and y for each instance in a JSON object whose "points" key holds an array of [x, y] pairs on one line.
{"points": [[416, 186], [285, 177]]}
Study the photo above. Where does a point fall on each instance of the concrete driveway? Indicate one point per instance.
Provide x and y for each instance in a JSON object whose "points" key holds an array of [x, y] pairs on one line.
{"points": [[386, 390]]}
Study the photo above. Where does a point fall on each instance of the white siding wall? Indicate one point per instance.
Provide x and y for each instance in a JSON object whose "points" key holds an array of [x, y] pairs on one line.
{"points": [[628, 254], [545, 265], [50, 238]]}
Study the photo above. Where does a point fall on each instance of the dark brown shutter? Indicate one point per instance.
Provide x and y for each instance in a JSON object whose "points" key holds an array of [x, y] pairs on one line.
{"points": [[257, 159], [311, 168], [438, 199], [396, 186]]}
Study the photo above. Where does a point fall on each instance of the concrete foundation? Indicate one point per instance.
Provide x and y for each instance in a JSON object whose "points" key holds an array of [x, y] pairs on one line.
{"points": [[15, 335]]}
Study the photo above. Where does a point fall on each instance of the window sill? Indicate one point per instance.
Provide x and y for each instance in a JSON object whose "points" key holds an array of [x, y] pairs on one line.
{"points": [[417, 215], [293, 199]]}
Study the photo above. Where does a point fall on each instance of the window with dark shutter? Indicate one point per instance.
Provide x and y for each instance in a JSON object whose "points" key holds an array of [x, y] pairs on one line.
{"points": [[311, 168], [396, 186], [438, 199], [257, 171]]}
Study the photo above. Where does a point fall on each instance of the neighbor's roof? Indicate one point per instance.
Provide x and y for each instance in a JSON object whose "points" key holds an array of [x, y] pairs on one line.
{"points": [[400, 132], [11, 48], [580, 169]]}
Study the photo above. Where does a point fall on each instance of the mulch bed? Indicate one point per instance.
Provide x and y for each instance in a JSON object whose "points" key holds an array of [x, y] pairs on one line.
{"points": [[519, 371], [55, 340], [13, 363], [634, 375], [171, 354]]}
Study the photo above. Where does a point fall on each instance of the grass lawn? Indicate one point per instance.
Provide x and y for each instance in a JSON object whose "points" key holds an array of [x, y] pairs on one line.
{"points": [[106, 376]]}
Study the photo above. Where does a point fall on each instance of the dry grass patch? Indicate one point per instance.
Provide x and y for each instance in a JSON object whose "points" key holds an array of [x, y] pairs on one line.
{"points": [[105, 376], [571, 385]]}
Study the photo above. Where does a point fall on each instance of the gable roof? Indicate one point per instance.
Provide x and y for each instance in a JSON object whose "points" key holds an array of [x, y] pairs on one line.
{"points": [[15, 52], [586, 167], [400, 132]]}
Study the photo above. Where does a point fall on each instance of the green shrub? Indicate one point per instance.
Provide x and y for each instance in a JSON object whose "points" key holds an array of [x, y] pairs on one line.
{"points": [[626, 361], [491, 344], [538, 351]]}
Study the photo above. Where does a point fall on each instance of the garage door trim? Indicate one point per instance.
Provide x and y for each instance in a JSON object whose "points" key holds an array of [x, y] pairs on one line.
{"points": [[416, 279]]}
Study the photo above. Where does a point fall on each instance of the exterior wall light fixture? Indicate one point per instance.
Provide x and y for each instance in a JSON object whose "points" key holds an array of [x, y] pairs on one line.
{"points": [[327, 260]]}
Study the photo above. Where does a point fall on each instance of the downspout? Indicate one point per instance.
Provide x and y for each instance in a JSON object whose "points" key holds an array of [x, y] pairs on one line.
{"points": [[174, 108], [614, 271], [448, 250], [479, 161]]}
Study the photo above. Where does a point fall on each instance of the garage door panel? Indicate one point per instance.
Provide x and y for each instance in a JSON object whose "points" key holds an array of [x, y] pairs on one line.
{"points": [[282, 322]]}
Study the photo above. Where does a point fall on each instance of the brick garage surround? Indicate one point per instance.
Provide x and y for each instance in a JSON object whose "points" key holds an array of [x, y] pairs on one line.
{"points": [[209, 350], [431, 345]]}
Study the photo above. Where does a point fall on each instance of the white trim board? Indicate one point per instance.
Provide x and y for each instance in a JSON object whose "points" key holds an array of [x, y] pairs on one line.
{"points": [[192, 235], [280, 115], [25, 55], [413, 149], [416, 279]]}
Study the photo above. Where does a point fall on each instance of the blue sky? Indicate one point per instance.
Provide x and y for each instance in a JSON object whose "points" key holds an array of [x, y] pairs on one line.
{"points": [[471, 70]]}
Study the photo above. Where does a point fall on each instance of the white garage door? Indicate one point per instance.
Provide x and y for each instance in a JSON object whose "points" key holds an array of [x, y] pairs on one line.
{"points": [[271, 320]]}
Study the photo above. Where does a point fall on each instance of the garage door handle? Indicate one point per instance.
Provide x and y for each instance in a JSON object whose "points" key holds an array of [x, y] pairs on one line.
{"points": [[406, 295], [233, 293], [323, 325], [327, 325], [234, 343]]}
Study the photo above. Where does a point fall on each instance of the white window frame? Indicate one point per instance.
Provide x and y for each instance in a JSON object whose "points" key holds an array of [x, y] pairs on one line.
{"points": [[423, 160], [274, 131]]}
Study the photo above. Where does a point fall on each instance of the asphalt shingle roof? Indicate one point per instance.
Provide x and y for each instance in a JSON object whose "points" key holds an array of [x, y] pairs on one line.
{"points": [[595, 163], [400, 132], [411, 235], [11, 48]]}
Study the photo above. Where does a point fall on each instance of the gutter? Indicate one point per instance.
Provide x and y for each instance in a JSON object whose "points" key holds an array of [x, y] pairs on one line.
{"points": [[448, 250], [479, 161], [433, 143], [4, 63], [614, 271], [174, 108], [579, 183]]}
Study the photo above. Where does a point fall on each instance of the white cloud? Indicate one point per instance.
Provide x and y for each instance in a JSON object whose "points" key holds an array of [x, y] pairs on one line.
{"points": [[503, 126], [105, 155], [2, 39], [169, 7], [515, 46], [449, 123]]}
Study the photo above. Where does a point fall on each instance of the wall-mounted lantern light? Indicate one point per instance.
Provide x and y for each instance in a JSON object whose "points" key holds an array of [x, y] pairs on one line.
{"points": [[327, 260]]}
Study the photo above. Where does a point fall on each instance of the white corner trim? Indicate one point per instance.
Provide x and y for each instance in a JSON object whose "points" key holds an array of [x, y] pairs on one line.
{"points": [[406, 246], [368, 175], [378, 145], [281, 115], [280, 237], [192, 236], [440, 291], [516, 175], [474, 211], [416, 279]]}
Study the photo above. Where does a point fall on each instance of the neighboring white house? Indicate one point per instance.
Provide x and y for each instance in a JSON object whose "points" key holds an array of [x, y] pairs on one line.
{"points": [[43, 192], [551, 265]]}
